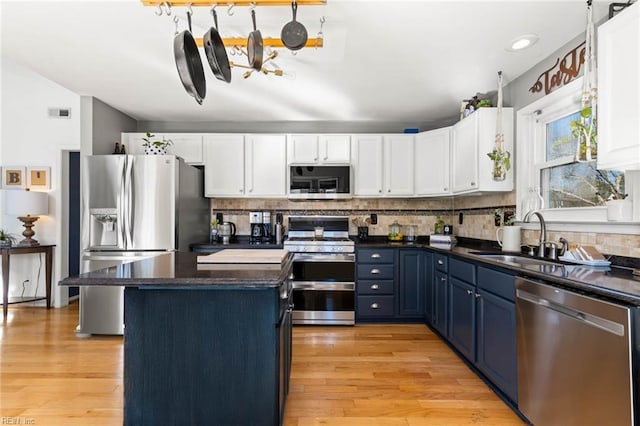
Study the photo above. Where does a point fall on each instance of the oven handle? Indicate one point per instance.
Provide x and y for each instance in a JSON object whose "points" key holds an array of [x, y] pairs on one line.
{"points": [[305, 257], [320, 285]]}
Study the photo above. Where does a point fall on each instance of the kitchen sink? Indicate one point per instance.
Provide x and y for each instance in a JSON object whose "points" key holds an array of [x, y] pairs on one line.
{"points": [[514, 258]]}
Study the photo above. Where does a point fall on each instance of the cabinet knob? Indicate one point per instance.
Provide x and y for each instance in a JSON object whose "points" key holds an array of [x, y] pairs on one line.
{"points": [[315, 159], [375, 306], [446, 189], [251, 190], [440, 262], [389, 190], [469, 292], [477, 295], [375, 286], [375, 271], [473, 184], [240, 190], [375, 256], [443, 279], [325, 158]]}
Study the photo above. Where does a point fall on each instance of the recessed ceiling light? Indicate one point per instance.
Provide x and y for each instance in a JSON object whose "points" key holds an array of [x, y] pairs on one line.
{"points": [[522, 42]]}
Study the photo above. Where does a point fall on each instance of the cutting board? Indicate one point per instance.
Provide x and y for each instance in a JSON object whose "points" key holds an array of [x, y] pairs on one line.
{"points": [[245, 256]]}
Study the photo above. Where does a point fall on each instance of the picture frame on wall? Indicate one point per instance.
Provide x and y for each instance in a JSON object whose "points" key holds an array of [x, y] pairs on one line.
{"points": [[14, 177], [39, 177]]}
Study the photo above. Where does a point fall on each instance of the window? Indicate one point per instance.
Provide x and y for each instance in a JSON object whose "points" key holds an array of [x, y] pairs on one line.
{"points": [[572, 192], [567, 183]]}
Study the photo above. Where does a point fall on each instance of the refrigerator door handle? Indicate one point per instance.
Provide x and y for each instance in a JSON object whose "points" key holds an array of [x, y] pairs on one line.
{"points": [[129, 202], [120, 208]]}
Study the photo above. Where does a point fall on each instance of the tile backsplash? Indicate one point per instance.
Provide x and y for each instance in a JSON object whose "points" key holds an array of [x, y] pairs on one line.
{"points": [[477, 211]]}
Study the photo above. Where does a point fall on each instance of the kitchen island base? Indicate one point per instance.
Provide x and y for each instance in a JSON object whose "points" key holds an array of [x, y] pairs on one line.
{"points": [[205, 356]]}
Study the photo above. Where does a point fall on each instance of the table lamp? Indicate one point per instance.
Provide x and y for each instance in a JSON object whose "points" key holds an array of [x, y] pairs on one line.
{"points": [[27, 205]]}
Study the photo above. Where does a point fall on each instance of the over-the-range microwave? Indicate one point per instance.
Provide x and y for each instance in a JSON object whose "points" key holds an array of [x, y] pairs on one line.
{"points": [[324, 182]]}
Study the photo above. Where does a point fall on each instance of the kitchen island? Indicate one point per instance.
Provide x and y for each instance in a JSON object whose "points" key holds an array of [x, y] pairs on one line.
{"points": [[203, 344]]}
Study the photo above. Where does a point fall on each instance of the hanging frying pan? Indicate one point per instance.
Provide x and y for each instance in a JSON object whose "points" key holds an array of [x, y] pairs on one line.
{"points": [[189, 63], [216, 52], [294, 34], [254, 45]]}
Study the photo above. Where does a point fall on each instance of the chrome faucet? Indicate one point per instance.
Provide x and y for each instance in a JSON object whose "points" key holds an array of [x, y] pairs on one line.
{"points": [[543, 230]]}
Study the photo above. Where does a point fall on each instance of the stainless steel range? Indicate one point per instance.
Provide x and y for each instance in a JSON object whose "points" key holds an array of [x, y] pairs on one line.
{"points": [[323, 270]]}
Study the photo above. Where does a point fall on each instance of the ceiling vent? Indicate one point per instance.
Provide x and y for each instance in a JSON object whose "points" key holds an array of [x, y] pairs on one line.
{"points": [[59, 112]]}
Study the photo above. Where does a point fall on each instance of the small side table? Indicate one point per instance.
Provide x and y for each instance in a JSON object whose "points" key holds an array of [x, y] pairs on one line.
{"points": [[7, 252]]}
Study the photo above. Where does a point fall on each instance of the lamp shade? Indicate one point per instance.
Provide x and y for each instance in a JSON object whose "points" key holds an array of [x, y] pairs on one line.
{"points": [[24, 203]]}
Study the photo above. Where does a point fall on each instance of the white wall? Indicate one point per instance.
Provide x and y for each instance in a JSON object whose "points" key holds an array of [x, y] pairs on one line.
{"points": [[29, 138]]}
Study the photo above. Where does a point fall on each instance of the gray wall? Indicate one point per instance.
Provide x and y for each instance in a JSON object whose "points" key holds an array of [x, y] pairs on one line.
{"points": [[108, 123]]}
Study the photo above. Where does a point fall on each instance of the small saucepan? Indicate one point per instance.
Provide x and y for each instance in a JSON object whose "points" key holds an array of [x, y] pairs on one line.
{"points": [[254, 45], [216, 52], [189, 63], [294, 34]]}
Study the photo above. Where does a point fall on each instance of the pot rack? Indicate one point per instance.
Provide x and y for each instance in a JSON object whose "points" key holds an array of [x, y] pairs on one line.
{"points": [[165, 7]]}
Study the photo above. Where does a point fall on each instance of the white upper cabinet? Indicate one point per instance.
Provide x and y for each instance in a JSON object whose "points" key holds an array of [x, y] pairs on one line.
{"points": [[398, 165], [472, 138], [366, 153], [619, 91], [224, 165], [312, 149], [383, 165], [185, 145], [265, 165], [238, 166], [431, 162]]}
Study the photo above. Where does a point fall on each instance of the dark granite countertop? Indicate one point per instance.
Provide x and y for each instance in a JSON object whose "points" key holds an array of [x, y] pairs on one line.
{"points": [[180, 269]]}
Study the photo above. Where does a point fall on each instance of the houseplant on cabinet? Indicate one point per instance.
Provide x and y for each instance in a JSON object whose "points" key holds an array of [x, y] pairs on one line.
{"points": [[157, 147]]}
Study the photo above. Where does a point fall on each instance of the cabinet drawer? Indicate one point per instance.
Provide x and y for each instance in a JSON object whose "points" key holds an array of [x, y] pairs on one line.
{"points": [[375, 306], [375, 255], [462, 270], [374, 272], [375, 287], [498, 283], [441, 262]]}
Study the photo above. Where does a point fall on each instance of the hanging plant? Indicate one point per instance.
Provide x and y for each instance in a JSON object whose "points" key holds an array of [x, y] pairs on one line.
{"points": [[501, 163], [500, 156], [585, 131]]}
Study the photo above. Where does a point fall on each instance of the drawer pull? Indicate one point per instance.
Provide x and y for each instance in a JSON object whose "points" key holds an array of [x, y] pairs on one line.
{"points": [[376, 256], [375, 286], [440, 262], [443, 279], [375, 271], [477, 295], [375, 306], [469, 292]]}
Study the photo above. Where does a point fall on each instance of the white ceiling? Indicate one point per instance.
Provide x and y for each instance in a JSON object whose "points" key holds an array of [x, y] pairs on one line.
{"points": [[392, 61]]}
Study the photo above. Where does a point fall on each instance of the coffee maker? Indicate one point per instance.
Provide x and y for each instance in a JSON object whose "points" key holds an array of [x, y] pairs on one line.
{"points": [[257, 227]]}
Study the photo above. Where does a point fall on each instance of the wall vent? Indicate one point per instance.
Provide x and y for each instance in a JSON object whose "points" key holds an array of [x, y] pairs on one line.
{"points": [[59, 112]]}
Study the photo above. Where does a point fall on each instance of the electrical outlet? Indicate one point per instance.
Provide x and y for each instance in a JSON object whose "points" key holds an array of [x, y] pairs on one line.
{"points": [[460, 218], [374, 219], [219, 217]]}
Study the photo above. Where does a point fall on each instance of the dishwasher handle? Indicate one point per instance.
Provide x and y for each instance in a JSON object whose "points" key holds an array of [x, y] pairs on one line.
{"points": [[584, 317]]}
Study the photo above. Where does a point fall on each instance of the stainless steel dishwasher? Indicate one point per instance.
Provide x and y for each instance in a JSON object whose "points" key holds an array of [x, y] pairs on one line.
{"points": [[574, 357]]}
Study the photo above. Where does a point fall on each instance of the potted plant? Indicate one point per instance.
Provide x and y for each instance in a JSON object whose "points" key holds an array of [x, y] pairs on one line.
{"points": [[6, 239], [155, 147], [501, 163]]}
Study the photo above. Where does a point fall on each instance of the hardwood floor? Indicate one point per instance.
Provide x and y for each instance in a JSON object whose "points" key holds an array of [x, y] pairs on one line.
{"points": [[363, 375]]}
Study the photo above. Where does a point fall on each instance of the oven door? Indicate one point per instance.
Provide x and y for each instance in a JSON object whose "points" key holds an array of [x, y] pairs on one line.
{"points": [[324, 289]]}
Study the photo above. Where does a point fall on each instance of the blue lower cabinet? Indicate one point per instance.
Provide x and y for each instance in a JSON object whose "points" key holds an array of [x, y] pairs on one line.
{"points": [[375, 306], [462, 317], [440, 297], [411, 283]]}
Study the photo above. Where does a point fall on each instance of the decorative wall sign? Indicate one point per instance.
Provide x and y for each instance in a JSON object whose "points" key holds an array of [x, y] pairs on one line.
{"points": [[13, 177], [39, 177], [562, 72]]}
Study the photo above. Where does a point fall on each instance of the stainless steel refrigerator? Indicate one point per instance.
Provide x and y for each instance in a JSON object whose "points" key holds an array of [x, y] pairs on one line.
{"points": [[134, 207]]}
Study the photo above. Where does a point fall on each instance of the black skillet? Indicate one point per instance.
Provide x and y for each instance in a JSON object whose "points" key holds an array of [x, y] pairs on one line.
{"points": [[189, 64], [254, 45], [294, 34], [216, 52]]}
